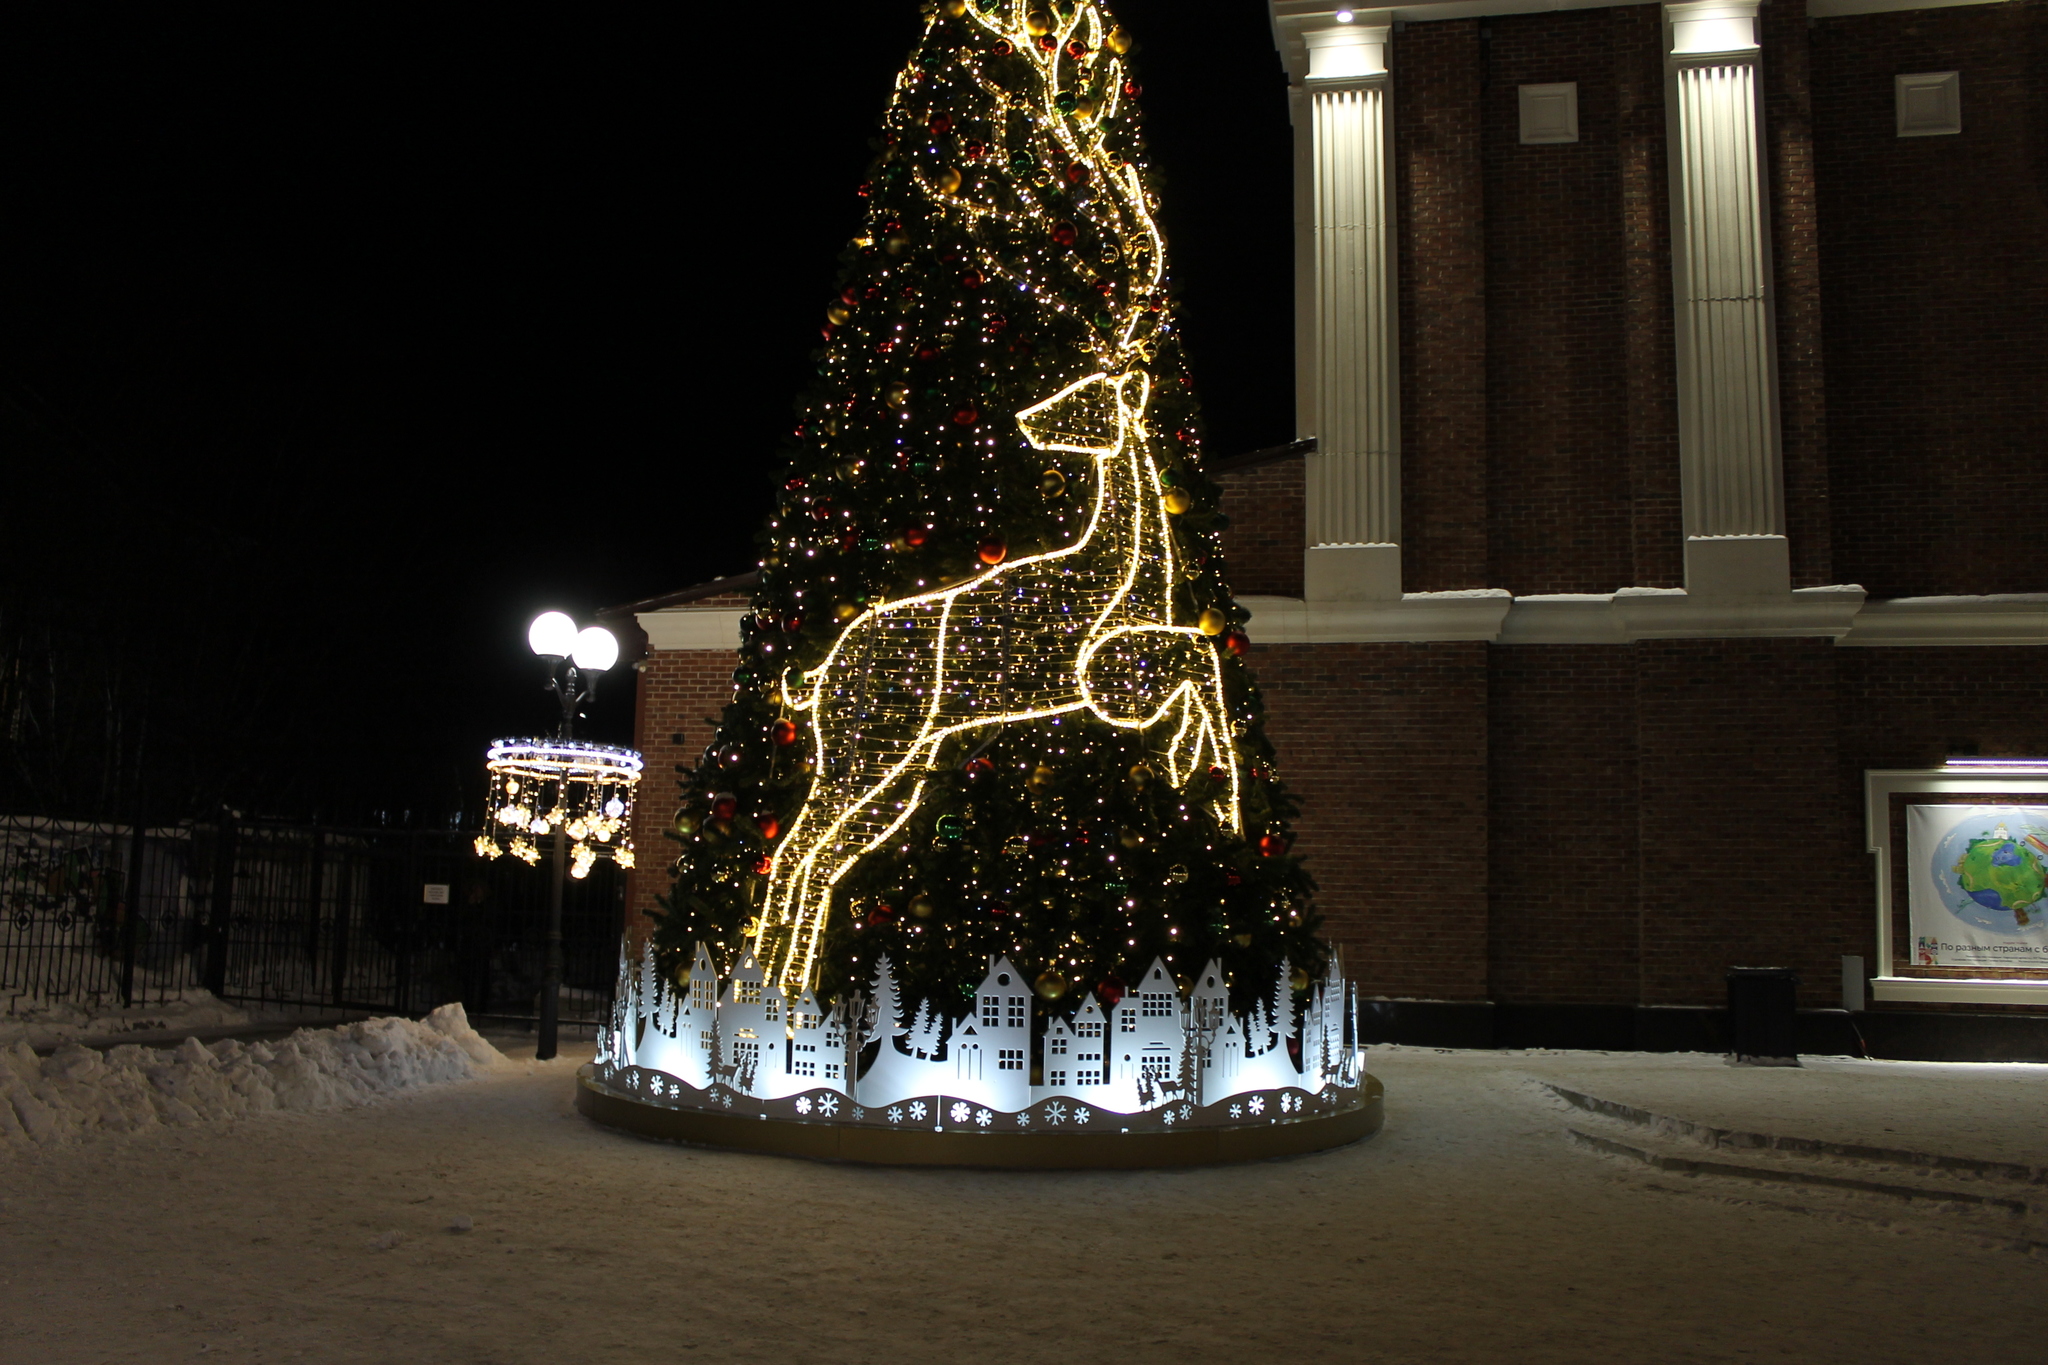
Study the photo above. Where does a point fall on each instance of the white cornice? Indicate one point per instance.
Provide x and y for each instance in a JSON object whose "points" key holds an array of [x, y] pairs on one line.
{"points": [[692, 627], [2002, 619], [1611, 618], [1291, 18]]}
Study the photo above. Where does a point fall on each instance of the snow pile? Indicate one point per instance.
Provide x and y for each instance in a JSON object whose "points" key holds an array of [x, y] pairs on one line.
{"points": [[78, 1091], [48, 1022]]}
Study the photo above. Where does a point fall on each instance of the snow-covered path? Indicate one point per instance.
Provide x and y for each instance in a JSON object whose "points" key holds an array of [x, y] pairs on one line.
{"points": [[1470, 1229]]}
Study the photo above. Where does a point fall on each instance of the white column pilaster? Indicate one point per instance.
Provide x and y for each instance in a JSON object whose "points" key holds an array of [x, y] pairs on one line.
{"points": [[1354, 478], [1730, 468]]}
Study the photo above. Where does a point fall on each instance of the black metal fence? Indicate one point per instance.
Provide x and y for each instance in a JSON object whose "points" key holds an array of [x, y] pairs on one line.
{"points": [[396, 920]]}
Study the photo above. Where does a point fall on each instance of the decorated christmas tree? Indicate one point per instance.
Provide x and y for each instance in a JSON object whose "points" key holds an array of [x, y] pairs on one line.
{"points": [[991, 698]]}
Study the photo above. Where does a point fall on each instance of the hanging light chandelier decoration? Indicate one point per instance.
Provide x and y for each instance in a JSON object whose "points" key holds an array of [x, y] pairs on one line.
{"points": [[541, 786]]}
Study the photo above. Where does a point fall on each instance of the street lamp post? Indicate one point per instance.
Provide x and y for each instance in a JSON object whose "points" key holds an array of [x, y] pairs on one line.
{"points": [[562, 790]]}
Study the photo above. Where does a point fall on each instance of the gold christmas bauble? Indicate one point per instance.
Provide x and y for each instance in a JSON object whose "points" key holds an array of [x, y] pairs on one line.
{"points": [[1177, 500], [897, 395], [845, 611], [947, 181], [1118, 40], [955, 8], [837, 314], [1212, 621], [1041, 779], [1084, 107], [921, 905], [1038, 23], [1050, 985], [1241, 940], [1142, 775], [1052, 483], [1130, 838], [1299, 979]]}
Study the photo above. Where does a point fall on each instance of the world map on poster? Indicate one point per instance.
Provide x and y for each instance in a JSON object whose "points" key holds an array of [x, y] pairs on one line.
{"points": [[1979, 885]]}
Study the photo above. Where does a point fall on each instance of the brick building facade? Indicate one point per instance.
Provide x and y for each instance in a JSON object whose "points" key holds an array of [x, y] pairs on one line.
{"points": [[1581, 717]]}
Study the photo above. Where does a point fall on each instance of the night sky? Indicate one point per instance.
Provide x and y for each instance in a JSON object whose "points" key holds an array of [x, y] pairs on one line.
{"points": [[338, 343]]}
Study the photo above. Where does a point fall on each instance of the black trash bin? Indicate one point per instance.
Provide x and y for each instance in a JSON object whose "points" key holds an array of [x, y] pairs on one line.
{"points": [[1763, 1016]]}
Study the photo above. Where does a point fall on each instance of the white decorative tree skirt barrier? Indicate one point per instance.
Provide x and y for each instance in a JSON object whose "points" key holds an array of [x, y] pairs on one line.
{"points": [[1148, 1079]]}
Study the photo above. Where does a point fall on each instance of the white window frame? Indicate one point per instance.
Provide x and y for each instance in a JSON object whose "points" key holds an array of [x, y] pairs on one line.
{"points": [[1879, 786]]}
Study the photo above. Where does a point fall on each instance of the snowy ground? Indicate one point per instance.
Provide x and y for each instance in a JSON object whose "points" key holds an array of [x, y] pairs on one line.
{"points": [[1474, 1228]]}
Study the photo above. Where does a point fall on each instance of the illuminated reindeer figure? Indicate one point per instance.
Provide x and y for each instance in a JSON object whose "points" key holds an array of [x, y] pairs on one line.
{"points": [[1087, 625]]}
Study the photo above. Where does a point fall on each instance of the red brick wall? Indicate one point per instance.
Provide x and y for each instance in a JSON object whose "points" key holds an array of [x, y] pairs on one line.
{"points": [[1565, 886], [1746, 859], [1441, 213], [1268, 511], [1386, 747], [681, 693], [1649, 365], [1934, 292], [1557, 398], [1795, 252]]}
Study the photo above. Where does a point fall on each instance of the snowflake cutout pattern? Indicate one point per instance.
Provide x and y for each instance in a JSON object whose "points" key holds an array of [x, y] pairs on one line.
{"points": [[1055, 1112], [1187, 1111], [895, 1113], [1237, 1111], [859, 1113], [917, 1111], [726, 1099], [828, 1105], [1258, 1105], [1023, 1118], [1170, 1116], [803, 1104], [1082, 1115], [1288, 1104], [958, 1113], [983, 1117]]}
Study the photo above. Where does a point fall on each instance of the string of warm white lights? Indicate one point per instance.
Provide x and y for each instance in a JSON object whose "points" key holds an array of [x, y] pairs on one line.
{"points": [[1088, 626], [541, 786]]}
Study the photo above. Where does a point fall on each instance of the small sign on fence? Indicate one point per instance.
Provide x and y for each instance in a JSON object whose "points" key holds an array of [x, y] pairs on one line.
{"points": [[436, 893]]}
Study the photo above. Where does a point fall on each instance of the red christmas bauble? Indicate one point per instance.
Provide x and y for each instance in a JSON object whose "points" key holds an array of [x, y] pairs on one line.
{"points": [[1077, 173], [916, 536], [850, 295], [1077, 48], [827, 330], [822, 512], [783, 732], [792, 624], [1237, 642], [1217, 774], [1063, 233], [996, 323], [1111, 989], [1046, 42], [973, 151], [973, 279], [993, 550], [979, 767], [966, 417], [1105, 287], [724, 807], [881, 914], [1271, 845], [1002, 47], [940, 125], [768, 825], [763, 863], [1132, 89], [927, 352]]}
